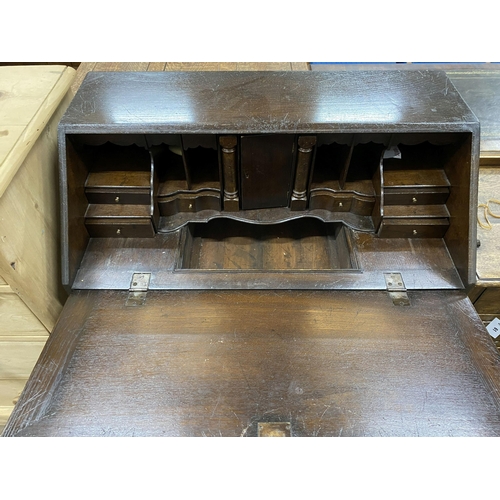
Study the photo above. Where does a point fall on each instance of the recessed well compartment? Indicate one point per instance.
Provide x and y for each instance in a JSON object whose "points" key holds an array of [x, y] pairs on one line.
{"points": [[299, 245]]}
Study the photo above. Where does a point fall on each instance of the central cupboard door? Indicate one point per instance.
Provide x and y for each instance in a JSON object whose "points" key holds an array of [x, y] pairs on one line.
{"points": [[266, 170]]}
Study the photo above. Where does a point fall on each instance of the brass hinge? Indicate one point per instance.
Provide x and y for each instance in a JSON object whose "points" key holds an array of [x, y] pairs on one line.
{"points": [[137, 292], [396, 288]]}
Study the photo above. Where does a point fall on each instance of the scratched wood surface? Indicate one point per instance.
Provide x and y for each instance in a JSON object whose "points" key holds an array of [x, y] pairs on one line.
{"points": [[85, 67], [215, 363]]}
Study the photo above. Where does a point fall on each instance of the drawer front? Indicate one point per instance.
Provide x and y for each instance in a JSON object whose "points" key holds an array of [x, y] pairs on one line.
{"points": [[189, 203], [330, 201], [413, 228], [120, 228], [340, 202], [412, 196], [119, 196]]}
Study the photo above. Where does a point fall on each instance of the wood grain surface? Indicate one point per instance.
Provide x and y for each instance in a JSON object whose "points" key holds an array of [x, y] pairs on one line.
{"points": [[29, 95], [480, 88], [85, 67], [367, 107], [215, 363], [424, 263], [244, 327], [273, 101], [22, 338], [488, 253]]}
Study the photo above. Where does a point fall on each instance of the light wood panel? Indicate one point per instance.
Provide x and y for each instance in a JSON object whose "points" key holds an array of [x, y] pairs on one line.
{"points": [[5, 412], [29, 250], [28, 97], [19, 358], [22, 338], [5, 287], [16, 318], [488, 253], [32, 101]]}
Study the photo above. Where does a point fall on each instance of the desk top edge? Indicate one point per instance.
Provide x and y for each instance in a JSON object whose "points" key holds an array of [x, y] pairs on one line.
{"points": [[270, 101]]}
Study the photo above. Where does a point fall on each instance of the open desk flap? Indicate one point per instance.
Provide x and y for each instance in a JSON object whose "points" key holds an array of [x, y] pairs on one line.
{"points": [[247, 363]]}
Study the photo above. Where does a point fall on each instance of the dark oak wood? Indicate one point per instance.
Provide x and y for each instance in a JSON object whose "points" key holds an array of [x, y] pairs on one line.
{"points": [[305, 155], [229, 162], [424, 263], [266, 170], [304, 102], [306, 244], [121, 187], [223, 244], [217, 363], [267, 119], [409, 227]]}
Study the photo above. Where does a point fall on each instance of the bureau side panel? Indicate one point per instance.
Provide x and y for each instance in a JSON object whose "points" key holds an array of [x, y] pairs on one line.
{"points": [[74, 203]]}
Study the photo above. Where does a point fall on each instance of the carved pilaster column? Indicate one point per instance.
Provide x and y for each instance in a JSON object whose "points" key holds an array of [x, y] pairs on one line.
{"points": [[304, 159], [230, 172]]}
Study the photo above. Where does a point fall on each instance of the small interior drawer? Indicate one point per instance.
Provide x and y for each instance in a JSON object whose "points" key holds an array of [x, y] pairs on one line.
{"points": [[120, 228], [413, 227], [416, 211], [125, 196], [189, 202], [121, 187], [416, 196], [119, 221]]}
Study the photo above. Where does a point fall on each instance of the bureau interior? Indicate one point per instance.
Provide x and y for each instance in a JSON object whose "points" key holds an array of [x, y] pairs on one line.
{"points": [[305, 244], [248, 191]]}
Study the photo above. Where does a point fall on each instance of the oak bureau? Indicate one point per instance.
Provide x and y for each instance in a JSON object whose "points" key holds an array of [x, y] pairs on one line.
{"points": [[266, 254]]}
